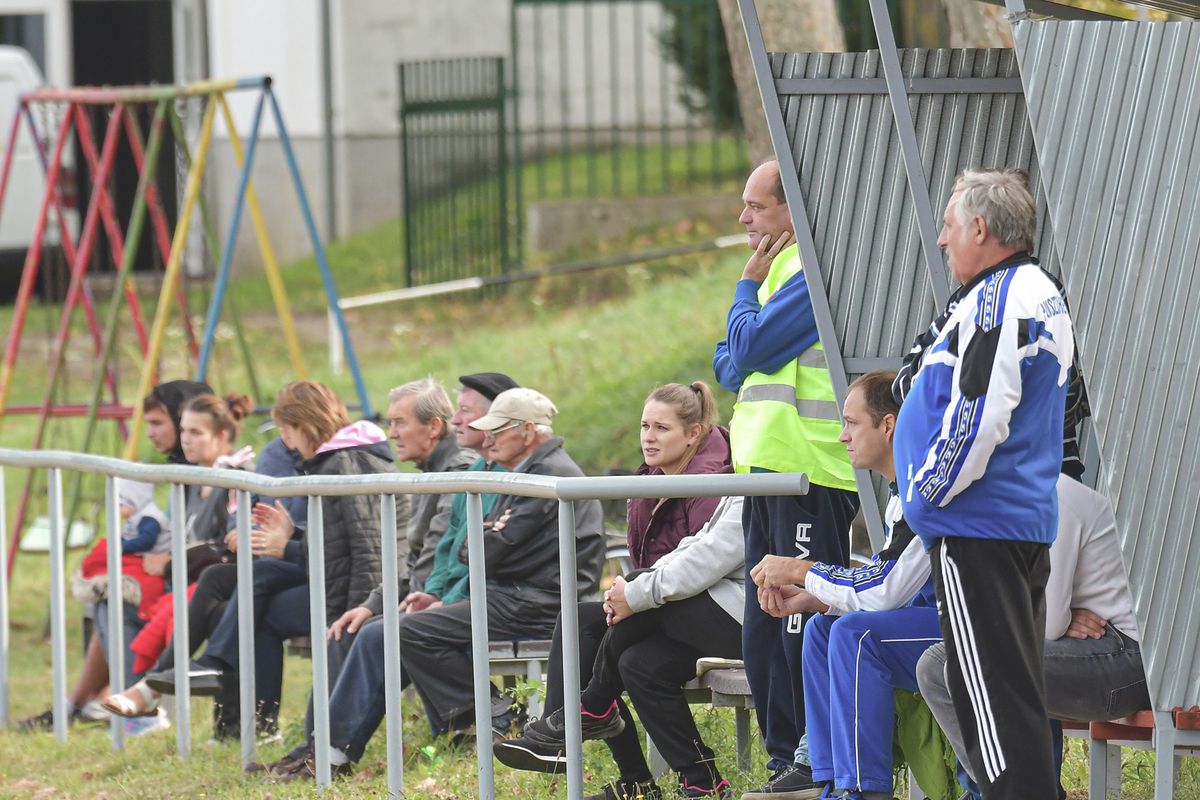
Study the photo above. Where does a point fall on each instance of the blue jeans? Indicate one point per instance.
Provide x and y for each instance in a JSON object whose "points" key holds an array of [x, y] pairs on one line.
{"points": [[357, 703], [280, 612], [132, 624], [1086, 679]]}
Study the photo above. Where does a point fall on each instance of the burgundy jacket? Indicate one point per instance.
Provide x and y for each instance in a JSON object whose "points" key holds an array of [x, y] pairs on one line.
{"points": [[654, 532]]}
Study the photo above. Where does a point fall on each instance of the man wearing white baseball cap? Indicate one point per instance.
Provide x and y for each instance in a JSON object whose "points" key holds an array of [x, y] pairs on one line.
{"points": [[521, 561]]}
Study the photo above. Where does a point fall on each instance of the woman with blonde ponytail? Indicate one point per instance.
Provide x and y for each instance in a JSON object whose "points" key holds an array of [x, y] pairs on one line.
{"points": [[681, 435]]}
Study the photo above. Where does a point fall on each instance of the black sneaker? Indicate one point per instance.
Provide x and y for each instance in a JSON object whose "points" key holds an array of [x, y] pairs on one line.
{"points": [[628, 790], [793, 782], [205, 681], [721, 790], [44, 722], [542, 746]]}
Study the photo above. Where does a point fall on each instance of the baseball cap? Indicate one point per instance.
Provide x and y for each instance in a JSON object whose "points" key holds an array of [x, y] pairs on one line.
{"points": [[516, 405]]}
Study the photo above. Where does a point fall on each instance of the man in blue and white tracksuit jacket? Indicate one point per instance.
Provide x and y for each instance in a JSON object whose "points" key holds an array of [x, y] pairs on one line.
{"points": [[878, 619], [978, 449]]}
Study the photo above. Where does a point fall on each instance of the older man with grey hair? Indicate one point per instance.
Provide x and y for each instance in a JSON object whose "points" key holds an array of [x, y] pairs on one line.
{"points": [[978, 448], [521, 561], [419, 414]]}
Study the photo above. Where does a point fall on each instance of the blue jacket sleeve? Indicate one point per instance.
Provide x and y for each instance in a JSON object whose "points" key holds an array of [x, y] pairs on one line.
{"points": [[762, 338], [148, 530]]}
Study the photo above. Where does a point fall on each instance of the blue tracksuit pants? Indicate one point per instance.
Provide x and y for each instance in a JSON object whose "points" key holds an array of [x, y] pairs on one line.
{"points": [[851, 666], [813, 526]]}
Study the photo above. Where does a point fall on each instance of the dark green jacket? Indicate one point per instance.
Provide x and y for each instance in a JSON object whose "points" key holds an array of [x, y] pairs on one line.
{"points": [[448, 580]]}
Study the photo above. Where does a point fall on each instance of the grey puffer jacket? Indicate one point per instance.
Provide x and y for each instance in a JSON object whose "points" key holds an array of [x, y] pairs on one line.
{"points": [[521, 541], [353, 561]]}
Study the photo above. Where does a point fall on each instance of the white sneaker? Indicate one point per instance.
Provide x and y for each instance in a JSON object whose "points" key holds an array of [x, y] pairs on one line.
{"points": [[138, 726], [93, 711]]}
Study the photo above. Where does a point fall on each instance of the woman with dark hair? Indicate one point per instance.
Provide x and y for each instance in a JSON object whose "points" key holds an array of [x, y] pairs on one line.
{"points": [[161, 410], [208, 427]]}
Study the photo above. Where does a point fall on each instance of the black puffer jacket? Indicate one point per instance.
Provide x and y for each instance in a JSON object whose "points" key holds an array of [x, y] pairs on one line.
{"points": [[353, 561]]}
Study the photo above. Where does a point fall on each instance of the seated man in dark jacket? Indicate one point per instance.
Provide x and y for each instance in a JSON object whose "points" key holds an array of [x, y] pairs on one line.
{"points": [[521, 560]]}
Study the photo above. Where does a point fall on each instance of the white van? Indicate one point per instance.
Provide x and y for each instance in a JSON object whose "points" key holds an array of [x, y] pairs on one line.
{"points": [[26, 182]]}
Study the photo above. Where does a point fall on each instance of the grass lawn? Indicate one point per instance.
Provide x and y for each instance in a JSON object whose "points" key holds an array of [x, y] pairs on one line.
{"points": [[596, 344]]}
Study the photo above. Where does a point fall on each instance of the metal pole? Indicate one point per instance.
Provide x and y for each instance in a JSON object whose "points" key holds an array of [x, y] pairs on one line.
{"points": [[479, 646], [3, 599], [116, 606], [245, 599], [910, 151], [222, 279], [58, 620], [331, 233], [179, 582], [391, 649], [570, 628], [331, 295], [320, 663]]}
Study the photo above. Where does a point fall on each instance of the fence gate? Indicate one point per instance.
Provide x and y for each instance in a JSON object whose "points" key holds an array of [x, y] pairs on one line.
{"points": [[454, 179]]}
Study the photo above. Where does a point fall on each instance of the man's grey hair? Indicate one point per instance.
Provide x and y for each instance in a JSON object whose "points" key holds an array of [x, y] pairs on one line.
{"points": [[1001, 197], [431, 401], [543, 430]]}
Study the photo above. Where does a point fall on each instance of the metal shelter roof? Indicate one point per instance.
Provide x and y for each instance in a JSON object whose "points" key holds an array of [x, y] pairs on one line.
{"points": [[1115, 108], [868, 145]]}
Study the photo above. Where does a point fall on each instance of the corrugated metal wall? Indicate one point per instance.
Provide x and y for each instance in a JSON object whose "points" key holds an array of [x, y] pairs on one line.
{"points": [[1115, 109], [854, 183]]}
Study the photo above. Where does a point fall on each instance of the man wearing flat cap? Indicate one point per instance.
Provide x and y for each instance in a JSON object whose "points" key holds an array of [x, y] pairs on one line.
{"points": [[357, 700]]}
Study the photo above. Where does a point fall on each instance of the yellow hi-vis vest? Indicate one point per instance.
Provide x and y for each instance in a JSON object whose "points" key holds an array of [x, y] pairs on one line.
{"points": [[788, 421]]}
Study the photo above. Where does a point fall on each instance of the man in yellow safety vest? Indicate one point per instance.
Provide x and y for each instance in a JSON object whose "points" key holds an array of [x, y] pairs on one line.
{"points": [[785, 420]]}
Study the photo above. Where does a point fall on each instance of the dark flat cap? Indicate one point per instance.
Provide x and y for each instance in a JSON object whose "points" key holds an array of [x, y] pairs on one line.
{"points": [[488, 384]]}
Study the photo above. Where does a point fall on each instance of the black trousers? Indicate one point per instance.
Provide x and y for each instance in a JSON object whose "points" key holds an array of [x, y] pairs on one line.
{"points": [[435, 647], [992, 609], [214, 589], [626, 747], [651, 655], [814, 526]]}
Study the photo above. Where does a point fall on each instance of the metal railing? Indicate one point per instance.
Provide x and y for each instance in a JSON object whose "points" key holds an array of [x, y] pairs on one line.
{"points": [[565, 490]]}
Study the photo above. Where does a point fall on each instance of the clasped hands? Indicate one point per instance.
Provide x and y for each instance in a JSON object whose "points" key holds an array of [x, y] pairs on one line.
{"points": [[776, 579]]}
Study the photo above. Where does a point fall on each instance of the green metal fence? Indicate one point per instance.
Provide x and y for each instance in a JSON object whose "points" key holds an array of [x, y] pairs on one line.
{"points": [[622, 97], [597, 99], [455, 174]]}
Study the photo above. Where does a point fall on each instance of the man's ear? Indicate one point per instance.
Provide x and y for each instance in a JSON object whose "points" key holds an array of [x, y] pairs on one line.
{"points": [[979, 230], [889, 426]]}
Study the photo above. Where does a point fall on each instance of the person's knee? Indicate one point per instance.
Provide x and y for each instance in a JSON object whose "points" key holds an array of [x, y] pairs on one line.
{"points": [[931, 670]]}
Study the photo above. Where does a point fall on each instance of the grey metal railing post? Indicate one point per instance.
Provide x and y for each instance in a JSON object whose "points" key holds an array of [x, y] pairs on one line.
{"points": [[479, 647], [391, 648], [179, 583], [116, 606], [3, 606], [570, 629], [247, 701], [58, 620], [320, 661]]}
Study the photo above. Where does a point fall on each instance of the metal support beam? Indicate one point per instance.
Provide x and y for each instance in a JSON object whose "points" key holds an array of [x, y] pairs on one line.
{"points": [[918, 183], [789, 174]]}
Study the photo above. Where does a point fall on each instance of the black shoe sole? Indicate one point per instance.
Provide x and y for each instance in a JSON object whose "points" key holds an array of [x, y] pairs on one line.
{"points": [[200, 687], [514, 755]]}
